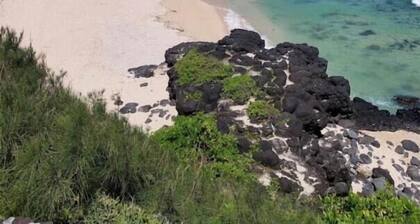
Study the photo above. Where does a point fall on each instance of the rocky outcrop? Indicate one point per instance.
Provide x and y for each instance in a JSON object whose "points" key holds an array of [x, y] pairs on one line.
{"points": [[409, 102], [310, 141], [370, 117], [145, 71]]}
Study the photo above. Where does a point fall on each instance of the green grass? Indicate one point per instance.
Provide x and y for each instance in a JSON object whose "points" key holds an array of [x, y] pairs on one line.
{"points": [[194, 96], [108, 210], [239, 88], [57, 151], [204, 141], [261, 110], [382, 207], [196, 68]]}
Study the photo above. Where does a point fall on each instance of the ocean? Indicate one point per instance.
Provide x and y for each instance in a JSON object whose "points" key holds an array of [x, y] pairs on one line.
{"points": [[375, 44]]}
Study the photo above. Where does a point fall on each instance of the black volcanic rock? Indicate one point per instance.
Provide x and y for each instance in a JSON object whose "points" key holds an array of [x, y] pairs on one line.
{"points": [[368, 116], [379, 172], [292, 79], [410, 146], [129, 108], [243, 41], [413, 172], [145, 71], [267, 158], [288, 186], [411, 116], [244, 145], [415, 162], [341, 189], [408, 102]]}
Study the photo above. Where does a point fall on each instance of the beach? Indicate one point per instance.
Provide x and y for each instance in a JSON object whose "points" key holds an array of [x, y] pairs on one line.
{"points": [[97, 41], [97, 44]]}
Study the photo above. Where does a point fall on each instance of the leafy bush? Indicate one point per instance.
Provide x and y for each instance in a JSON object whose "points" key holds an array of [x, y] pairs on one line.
{"points": [[197, 68], [261, 110], [108, 210], [239, 88], [382, 207], [198, 138]]}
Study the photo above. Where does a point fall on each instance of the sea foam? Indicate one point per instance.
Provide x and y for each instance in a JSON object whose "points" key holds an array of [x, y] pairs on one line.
{"points": [[416, 2], [234, 20]]}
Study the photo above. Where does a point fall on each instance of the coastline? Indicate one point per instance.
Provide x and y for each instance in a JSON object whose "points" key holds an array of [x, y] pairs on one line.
{"points": [[105, 42]]}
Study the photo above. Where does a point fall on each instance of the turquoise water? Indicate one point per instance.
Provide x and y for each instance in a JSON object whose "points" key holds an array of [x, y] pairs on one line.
{"points": [[379, 65]]}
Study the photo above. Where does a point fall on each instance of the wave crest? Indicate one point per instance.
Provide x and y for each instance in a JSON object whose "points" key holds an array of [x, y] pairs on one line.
{"points": [[416, 2]]}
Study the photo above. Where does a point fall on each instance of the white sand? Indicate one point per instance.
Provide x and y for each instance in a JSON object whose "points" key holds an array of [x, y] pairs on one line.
{"points": [[196, 19], [385, 156], [96, 41], [387, 153]]}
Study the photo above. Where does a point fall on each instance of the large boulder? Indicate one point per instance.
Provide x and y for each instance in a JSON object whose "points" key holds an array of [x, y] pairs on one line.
{"points": [[410, 145], [243, 41], [379, 172]]}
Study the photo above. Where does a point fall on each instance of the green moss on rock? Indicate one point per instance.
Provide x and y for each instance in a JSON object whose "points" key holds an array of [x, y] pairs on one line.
{"points": [[261, 110], [194, 96], [239, 88], [197, 68]]}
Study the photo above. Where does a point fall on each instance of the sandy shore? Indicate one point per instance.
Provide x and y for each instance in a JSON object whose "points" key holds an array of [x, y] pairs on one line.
{"points": [[96, 41], [196, 19]]}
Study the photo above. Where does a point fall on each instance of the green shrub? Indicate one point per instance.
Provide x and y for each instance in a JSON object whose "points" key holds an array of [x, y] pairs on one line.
{"points": [[382, 207], [108, 210], [239, 88], [197, 68], [261, 110], [197, 137]]}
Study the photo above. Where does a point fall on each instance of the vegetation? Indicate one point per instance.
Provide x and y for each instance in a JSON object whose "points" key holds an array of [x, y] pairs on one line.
{"points": [[194, 96], [197, 68], [66, 160], [108, 210], [58, 151], [239, 88], [205, 142], [261, 110], [382, 207]]}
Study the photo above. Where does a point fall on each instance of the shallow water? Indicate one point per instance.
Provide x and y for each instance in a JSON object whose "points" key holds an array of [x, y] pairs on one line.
{"points": [[373, 43]]}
